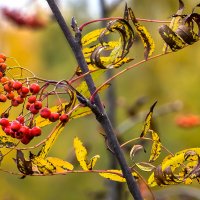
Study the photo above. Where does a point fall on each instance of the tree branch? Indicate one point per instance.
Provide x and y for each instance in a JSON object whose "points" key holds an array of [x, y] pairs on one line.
{"points": [[100, 112]]}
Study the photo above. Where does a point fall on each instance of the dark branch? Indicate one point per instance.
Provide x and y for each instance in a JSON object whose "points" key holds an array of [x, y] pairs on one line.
{"points": [[97, 107]]}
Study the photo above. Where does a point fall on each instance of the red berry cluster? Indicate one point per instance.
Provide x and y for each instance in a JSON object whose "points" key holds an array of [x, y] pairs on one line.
{"points": [[30, 95], [18, 129], [22, 20], [188, 121]]}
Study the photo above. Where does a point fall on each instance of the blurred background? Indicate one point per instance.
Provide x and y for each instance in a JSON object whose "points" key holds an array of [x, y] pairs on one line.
{"points": [[172, 80]]}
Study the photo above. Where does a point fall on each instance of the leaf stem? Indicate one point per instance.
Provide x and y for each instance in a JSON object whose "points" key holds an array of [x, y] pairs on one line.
{"points": [[115, 18]]}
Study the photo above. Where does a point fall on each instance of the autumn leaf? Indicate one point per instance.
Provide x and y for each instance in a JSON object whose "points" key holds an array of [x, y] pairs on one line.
{"points": [[116, 175], [165, 174], [156, 147], [50, 141], [60, 164], [81, 155], [23, 165], [7, 141], [148, 121], [145, 36]]}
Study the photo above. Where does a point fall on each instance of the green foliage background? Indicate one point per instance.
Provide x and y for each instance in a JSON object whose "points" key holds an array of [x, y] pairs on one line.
{"points": [[171, 77]]}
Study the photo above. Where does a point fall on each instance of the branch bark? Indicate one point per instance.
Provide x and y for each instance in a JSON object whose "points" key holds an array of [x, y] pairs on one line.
{"points": [[97, 107]]}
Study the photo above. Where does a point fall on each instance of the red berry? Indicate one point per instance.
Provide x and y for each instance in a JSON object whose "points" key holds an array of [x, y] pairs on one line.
{"points": [[54, 117], [19, 99], [8, 131], [34, 88], [24, 90], [7, 87], [25, 140], [3, 67], [24, 130], [10, 95], [35, 131], [15, 125], [1, 74], [4, 122], [33, 110], [20, 119], [4, 79], [64, 118], [28, 105], [1, 60], [18, 135], [14, 102], [3, 57], [38, 105], [45, 112], [3, 98], [17, 85], [32, 99]]}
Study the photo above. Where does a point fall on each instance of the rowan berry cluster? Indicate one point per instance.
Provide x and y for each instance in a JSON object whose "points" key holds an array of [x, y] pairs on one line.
{"points": [[30, 95], [22, 20]]}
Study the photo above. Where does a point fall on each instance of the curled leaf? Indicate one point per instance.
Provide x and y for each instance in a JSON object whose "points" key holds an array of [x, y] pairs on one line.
{"points": [[135, 149], [145, 36], [183, 167], [144, 166]]}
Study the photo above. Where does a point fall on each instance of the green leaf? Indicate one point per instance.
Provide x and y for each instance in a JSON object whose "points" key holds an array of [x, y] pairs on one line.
{"points": [[81, 155], [156, 147], [148, 121], [145, 36], [116, 175]]}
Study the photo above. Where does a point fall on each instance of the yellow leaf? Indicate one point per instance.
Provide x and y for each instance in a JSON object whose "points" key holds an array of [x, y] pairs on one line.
{"points": [[116, 175], [147, 167], [43, 165], [148, 120], [175, 162], [92, 162], [156, 147], [81, 155], [7, 141], [60, 164], [50, 141], [145, 36], [91, 36]]}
